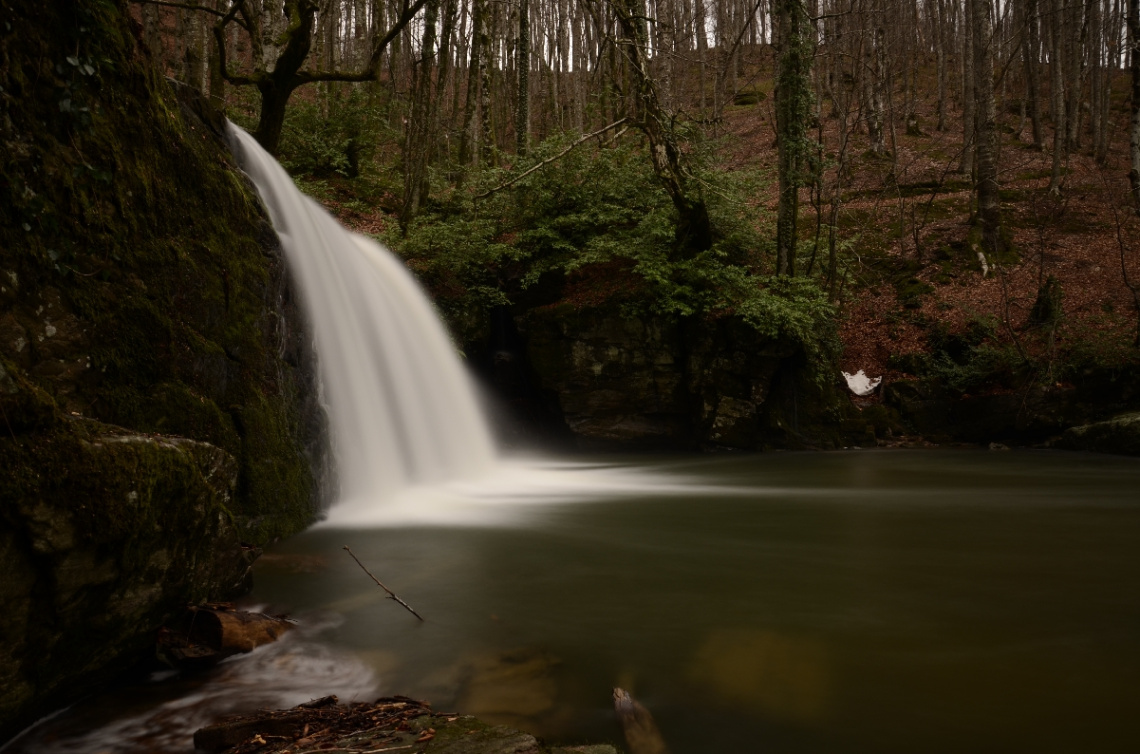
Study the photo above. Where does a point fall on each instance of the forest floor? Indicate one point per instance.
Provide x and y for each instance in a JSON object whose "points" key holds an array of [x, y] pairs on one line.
{"points": [[905, 222]]}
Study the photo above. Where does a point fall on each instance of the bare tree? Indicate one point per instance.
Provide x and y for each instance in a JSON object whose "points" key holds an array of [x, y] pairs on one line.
{"points": [[1134, 135], [280, 36], [694, 231]]}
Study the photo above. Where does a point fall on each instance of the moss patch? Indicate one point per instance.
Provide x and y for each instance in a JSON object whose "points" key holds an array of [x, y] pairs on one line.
{"points": [[124, 201]]}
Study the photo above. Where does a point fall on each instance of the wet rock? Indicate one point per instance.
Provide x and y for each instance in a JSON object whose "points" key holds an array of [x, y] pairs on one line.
{"points": [[1030, 415], [510, 685], [641, 731], [141, 287], [106, 534], [618, 381], [1120, 435], [641, 382]]}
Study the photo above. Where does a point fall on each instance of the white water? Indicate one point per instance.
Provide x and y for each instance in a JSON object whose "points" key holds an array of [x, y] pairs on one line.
{"points": [[410, 441], [402, 409]]}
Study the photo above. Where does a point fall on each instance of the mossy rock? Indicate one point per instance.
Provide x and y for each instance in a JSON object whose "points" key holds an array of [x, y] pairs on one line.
{"points": [[142, 294], [106, 534], [1120, 435]]}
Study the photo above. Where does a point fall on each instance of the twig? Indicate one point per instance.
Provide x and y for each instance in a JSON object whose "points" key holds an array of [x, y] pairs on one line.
{"points": [[391, 594], [185, 6], [549, 160]]}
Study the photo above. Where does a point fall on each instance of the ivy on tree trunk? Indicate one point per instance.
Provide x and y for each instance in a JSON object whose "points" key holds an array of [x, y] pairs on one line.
{"points": [[794, 101]]}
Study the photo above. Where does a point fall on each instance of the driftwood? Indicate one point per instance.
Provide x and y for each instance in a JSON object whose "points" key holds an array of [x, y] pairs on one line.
{"points": [[640, 731], [209, 633], [391, 594]]}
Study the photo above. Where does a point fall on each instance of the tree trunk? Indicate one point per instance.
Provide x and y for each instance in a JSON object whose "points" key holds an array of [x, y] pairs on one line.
{"points": [[989, 208], [940, 38], [694, 228], [969, 101], [1134, 60], [274, 98], [421, 124], [793, 113], [1031, 56], [522, 70], [1077, 26], [1057, 71], [874, 75], [474, 66], [486, 149]]}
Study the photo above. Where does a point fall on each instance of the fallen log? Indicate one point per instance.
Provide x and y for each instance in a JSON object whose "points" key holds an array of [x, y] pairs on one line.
{"points": [[209, 633]]}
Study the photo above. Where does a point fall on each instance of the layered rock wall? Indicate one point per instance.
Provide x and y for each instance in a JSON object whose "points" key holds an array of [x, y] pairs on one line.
{"points": [[158, 408], [623, 381]]}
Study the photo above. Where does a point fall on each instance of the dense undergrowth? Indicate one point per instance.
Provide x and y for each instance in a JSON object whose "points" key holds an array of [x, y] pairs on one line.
{"points": [[592, 228]]}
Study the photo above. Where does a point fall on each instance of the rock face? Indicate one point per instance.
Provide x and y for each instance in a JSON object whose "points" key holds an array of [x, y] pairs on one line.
{"points": [[1033, 415], [1120, 435], [632, 382], [105, 534], [157, 396], [1027, 416]]}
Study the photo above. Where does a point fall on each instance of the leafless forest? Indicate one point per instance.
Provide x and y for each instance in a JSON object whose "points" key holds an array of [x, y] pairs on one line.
{"points": [[928, 159]]}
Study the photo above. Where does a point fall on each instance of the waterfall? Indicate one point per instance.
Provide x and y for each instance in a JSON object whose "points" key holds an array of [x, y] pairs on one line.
{"points": [[402, 409], [410, 441]]}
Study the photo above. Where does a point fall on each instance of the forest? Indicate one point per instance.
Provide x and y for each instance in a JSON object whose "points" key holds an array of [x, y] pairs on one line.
{"points": [[952, 185]]}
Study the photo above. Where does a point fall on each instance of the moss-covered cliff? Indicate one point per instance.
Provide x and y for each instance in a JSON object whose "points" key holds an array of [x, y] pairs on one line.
{"points": [[142, 299]]}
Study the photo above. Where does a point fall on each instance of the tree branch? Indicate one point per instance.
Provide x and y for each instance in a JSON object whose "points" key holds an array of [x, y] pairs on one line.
{"points": [[220, 38], [391, 594], [369, 72], [549, 160], [184, 6]]}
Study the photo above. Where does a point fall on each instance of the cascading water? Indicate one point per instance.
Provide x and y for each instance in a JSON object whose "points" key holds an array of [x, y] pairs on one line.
{"points": [[402, 409], [411, 443]]}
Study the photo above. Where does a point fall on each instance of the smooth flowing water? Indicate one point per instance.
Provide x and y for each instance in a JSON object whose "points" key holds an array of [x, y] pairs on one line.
{"points": [[863, 601], [402, 410]]}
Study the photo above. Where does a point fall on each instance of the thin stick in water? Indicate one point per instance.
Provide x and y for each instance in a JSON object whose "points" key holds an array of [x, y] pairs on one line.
{"points": [[391, 594]]}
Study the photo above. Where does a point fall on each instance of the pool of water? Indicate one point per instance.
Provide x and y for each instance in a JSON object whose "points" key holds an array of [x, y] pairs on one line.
{"points": [[878, 601]]}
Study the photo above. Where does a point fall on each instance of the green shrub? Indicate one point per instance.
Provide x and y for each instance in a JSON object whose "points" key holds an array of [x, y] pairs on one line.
{"points": [[334, 132], [604, 209]]}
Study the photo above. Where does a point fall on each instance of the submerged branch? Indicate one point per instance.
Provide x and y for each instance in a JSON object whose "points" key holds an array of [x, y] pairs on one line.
{"points": [[380, 584]]}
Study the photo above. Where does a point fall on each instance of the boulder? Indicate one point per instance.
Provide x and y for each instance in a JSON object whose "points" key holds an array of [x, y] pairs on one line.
{"points": [[1120, 435], [105, 534]]}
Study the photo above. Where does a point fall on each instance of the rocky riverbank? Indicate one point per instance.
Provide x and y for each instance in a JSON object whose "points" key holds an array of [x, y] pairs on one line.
{"points": [[388, 724]]}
